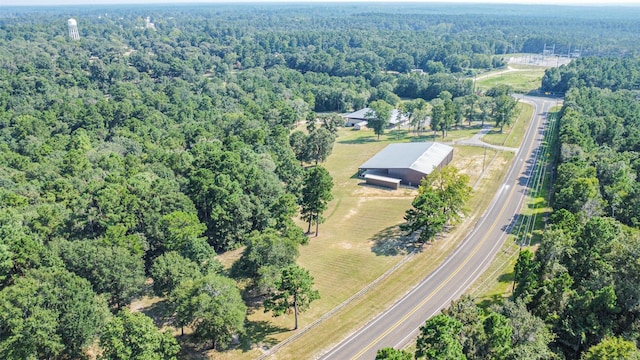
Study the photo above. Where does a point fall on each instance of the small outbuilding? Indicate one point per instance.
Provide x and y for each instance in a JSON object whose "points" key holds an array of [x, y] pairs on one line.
{"points": [[384, 181], [360, 125], [405, 163]]}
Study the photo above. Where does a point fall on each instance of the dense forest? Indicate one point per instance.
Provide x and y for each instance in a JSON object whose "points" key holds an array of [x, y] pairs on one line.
{"points": [[138, 153], [583, 280], [605, 73]]}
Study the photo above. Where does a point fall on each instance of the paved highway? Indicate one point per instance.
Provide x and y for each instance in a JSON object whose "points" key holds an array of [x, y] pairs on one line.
{"points": [[400, 324]]}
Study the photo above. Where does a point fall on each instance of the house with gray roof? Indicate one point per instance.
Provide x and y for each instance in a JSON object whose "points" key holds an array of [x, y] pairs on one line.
{"points": [[405, 163], [359, 118]]}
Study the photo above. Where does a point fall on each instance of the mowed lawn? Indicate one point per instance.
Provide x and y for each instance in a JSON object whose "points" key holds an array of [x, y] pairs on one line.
{"points": [[521, 79], [341, 257], [469, 161]]}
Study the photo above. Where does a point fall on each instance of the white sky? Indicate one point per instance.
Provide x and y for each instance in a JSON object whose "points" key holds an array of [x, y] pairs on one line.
{"points": [[93, 2]]}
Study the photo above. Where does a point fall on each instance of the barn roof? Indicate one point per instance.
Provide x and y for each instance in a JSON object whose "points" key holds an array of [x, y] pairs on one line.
{"points": [[418, 156], [396, 115]]}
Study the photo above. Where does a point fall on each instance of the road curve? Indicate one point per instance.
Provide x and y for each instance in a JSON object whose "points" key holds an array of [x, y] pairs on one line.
{"points": [[400, 324]]}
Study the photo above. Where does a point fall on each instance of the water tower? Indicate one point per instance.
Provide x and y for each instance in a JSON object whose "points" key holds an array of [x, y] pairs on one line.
{"points": [[73, 29]]}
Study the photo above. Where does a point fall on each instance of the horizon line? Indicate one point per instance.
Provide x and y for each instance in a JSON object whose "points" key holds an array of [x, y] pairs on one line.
{"points": [[598, 3]]}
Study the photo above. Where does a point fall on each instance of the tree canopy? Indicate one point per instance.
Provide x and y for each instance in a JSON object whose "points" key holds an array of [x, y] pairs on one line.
{"points": [[134, 336], [440, 201], [379, 116], [581, 279], [293, 290], [316, 194], [49, 313], [212, 306]]}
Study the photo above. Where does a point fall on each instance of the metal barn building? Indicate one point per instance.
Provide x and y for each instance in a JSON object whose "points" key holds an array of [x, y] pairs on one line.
{"points": [[406, 162], [358, 117]]}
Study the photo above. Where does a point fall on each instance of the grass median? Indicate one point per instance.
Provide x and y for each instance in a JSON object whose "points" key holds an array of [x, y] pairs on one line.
{"points": [[512, 136]]}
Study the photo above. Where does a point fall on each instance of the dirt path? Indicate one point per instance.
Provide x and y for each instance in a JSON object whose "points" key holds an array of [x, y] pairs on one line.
{"points": [[491, 74], [476, 140]]}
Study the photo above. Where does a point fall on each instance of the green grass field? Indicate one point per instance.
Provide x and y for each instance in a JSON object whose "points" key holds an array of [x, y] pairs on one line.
{"points": [[467, 159], [522, 79]]}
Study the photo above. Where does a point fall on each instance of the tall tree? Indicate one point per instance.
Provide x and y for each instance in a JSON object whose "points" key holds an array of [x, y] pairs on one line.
{"points": [[212, 305], [169, 270], [294, 290], [379, 116], [470, 107], [332, 122], [530, 337], [614, 348], [498, 334], [472, 336], [438, 339], [319, 144], [525, 275], [425, 215], [110, 270], [440, 200], [266, 253], [298, 143], [316, 194], [460, 110], [499, 90], [454, 190], [415, 111], [505, 110], [443, 113], [6, 263], [134, 336], [437, 116], [20, 250], [485, 105], [49, 313], [182, 232]]}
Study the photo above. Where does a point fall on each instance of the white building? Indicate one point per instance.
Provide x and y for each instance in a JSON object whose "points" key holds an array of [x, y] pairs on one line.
{"points": [[360, 118], [148, 24], [73, 29], [405, 163]]}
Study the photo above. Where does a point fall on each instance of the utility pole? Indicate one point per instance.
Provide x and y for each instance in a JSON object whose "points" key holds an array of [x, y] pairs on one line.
{"points": [[484, 158], [474, 82]]}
